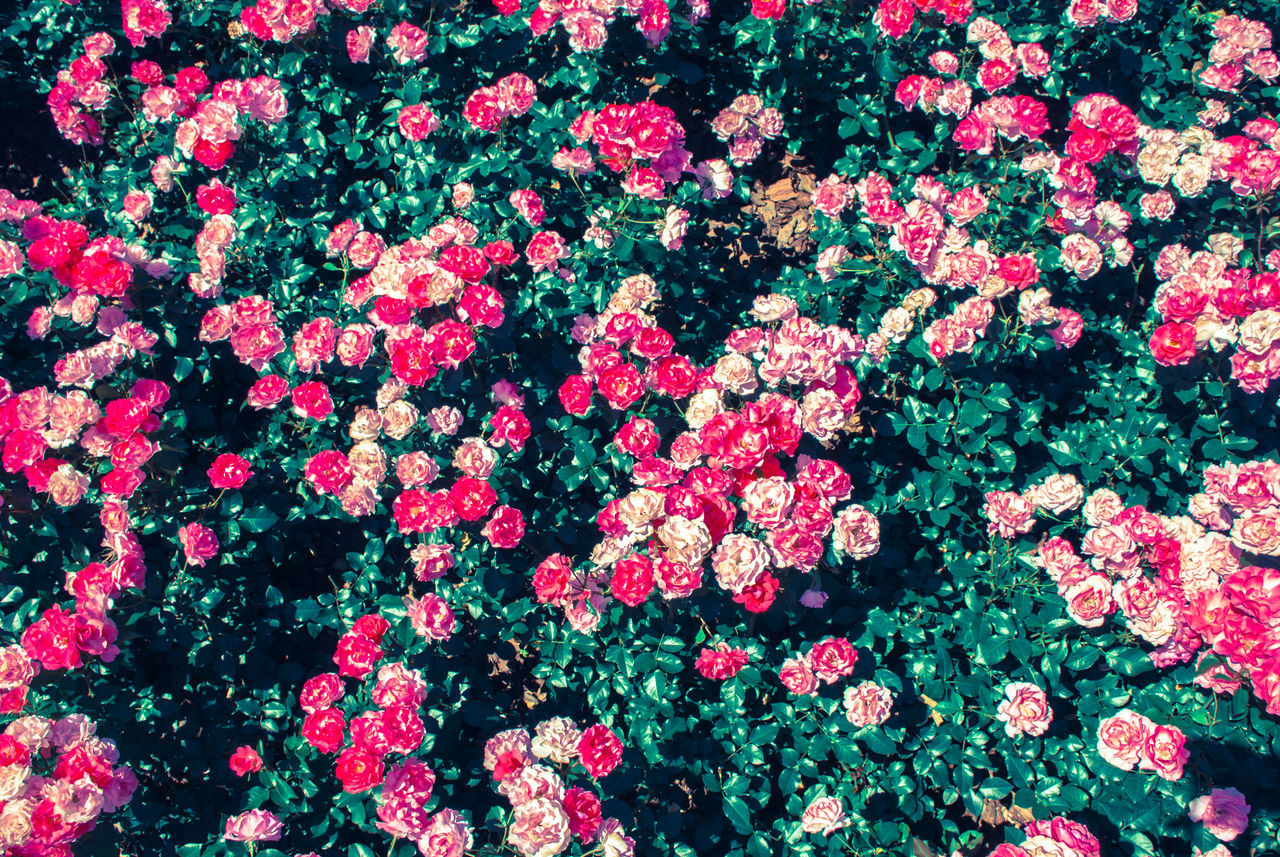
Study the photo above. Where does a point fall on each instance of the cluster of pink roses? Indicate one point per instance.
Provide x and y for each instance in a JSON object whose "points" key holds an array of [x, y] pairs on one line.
{"points": [[587, 21], [277, 21], [1199, 593], [1087, 13], [471, 496], [745, 125], [217, 202], [1128, 739], [894, 18], [57, 777], [930, 232], [625, 136], [1239, 44], [1206, 302], [363, 741], [81, 85], [1010, 514], [1054, 837], [489, 106], [683, 507], [34, 422], [827, 662], [546, 816]]}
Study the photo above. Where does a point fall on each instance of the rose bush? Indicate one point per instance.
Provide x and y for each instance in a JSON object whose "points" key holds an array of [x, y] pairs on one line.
{"points": [[639, 428]]}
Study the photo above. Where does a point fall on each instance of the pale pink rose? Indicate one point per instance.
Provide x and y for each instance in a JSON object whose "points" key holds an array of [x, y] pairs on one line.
{"points": [[67, 485], [539, 828], [739, 561], [1122, 737], [136, 205], [256, 825], [1060, 493], [431, 561], [1102, 505], [16, 668], [415, 469], [444, 420], [824, 815], [557, 739], [1223, 812], [868, 704], [1024, 709], [447, 835], [857, 532], [1090, 600]]}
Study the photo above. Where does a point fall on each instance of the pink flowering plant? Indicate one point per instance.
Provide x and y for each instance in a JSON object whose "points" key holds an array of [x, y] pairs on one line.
{"points": [[639, 427]]}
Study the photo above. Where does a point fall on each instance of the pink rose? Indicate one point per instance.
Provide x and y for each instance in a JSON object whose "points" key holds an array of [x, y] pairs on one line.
{"points": [[824, 815], [256, 825], [1223, 812], [199, 543], [1122, 737], [1025, 709]]}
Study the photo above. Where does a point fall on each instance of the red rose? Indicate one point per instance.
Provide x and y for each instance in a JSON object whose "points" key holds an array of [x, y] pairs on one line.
{"points": [[510, 426], [466, 262], [675, 376], [575, 394], [411, 359], [481, 305], [621, 386], [311, 400], [1019, 270], [371, 626], [51, 640], [583, 809], [652, 343], [215, 198], [833, 658], [329, 471], [359, 770], [768, 10], [123, 417], [505, 528], [213, 155], [633, 580], [245, 760], [1087, 145], [759, 596], [450, 343], [325, 730], [638, 438], [551, 580], [973, 134], [472, 498], [501, 252], [267, 392], [356, 655], [599, 750], [229, 471], [1174, 343]]}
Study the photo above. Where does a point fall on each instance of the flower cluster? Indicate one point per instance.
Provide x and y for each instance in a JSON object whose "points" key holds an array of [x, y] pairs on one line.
{"points": [[1055, 837], [1239, 44], [894, 18], [587, 21], [1207, 303], [1199, 592], [547, 816], [490, 106], [626, 136], [745, 125], [1128, 739], [1010, 514], [827, 662], [57, 777], [685, 512], [81, 87]]}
